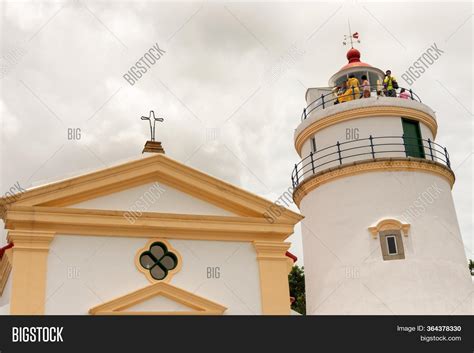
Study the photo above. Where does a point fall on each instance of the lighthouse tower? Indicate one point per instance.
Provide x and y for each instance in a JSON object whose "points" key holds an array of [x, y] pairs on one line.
{"points": [[380, 233]]}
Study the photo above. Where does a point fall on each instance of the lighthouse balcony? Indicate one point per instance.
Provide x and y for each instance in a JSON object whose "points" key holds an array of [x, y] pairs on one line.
{"points": [[327, 104], [390, 150]]}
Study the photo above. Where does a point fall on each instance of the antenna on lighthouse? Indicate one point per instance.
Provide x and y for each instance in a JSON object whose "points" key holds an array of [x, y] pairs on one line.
{"points": [[351, 37]]}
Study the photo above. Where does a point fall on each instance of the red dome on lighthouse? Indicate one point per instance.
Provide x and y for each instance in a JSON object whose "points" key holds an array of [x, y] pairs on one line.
{"points": [[353, 55], [353, 58]]}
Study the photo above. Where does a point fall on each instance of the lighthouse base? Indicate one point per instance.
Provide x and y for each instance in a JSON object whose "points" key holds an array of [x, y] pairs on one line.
{"points": [[345, 267]]}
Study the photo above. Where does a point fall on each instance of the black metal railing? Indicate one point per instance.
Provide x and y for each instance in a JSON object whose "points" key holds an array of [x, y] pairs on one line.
{"points": [[331, 98], [372, 148]]}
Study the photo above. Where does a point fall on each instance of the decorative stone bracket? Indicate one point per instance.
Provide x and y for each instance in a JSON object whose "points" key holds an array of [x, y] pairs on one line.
{"points": [[389, 224]]}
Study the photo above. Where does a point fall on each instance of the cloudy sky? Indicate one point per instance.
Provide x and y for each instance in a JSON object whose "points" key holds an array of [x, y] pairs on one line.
{"points": [[230, 86]]}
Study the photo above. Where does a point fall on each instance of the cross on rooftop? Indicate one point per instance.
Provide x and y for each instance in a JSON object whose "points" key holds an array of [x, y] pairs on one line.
{"points": [[152, 127]]}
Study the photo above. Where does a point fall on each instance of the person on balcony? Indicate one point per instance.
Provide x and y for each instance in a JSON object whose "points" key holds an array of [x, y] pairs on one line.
{"points": [[390, 84], [404, 94], [379, 88], [337, 92], [365, 87], [352, 90]]}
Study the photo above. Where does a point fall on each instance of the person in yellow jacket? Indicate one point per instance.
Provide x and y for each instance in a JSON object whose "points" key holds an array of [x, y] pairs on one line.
{"points": [[390, 84], [352, 90]]}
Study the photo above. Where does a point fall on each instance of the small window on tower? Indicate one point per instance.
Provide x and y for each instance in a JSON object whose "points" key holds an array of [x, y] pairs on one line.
{"points": [[391, 243], [313, 144]]}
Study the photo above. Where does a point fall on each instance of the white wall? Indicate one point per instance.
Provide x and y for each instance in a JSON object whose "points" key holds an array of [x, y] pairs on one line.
{"points": [[5, 309], [158, 303], [5, 298], [85, 271], [314, 93], [345, 272], [157, 197]]}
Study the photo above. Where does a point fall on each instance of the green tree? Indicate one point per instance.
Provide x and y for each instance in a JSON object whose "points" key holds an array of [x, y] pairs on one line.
{"points": [[297, 289]]}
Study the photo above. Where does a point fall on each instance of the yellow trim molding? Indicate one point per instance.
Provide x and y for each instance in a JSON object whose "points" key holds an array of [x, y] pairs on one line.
{"points": [[147, 272], [389, 224], [30, 255], [5, 269], [156, 168], [365, 112], [372, 165], [177, 226], [119, 306], [273, 267]]}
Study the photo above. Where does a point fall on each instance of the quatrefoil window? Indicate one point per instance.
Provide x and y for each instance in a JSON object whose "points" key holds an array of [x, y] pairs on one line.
{"points": [[158, 260]]}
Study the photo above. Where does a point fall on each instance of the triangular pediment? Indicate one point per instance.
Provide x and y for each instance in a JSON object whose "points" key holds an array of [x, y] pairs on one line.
{"points": [[157, 168], [153, 197], [187, 303]]}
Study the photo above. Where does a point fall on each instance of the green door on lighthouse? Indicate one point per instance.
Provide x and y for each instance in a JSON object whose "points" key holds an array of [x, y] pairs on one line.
{"points": [[412, 139]]}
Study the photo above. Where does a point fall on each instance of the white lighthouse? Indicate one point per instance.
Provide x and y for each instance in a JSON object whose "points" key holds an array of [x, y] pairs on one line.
{"points": [[380, 233]]}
